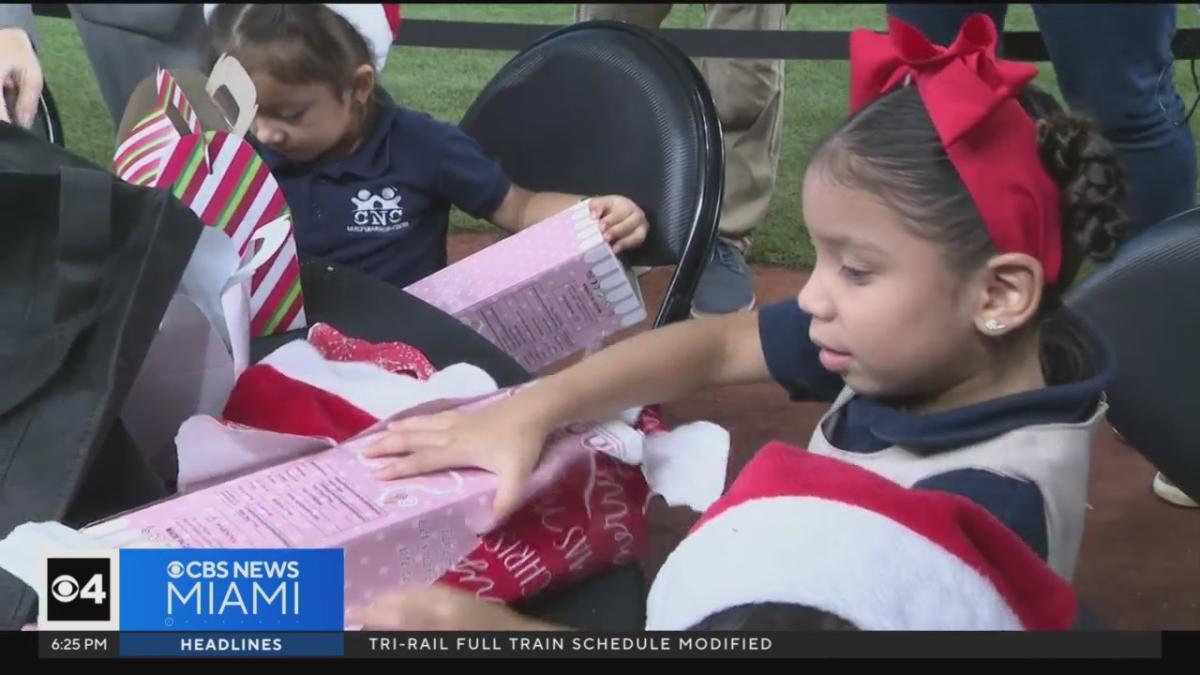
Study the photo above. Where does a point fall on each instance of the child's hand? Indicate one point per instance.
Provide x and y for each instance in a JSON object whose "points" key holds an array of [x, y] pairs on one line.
{"points": [[495, 438], [439, 608], [622, 222]]}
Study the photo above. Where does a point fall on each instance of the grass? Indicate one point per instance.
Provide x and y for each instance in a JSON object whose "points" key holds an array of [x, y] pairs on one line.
{"points": [[444, 82]]}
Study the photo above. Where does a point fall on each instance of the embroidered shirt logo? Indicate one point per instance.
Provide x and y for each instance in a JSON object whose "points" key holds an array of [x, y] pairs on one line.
{"points": [[377, 212]]}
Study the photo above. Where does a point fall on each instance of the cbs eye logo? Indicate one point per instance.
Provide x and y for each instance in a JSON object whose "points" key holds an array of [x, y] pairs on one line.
{"points": [[79, 589]]}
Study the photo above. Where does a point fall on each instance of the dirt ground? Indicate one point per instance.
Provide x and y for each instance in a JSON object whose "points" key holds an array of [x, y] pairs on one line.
{"points": [[1139, 567]]}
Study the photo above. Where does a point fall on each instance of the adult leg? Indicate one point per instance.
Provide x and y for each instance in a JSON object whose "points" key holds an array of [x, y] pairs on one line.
{"points": [[1115, 65], [748, 94], [127, 43], [941, 22], [648, 15]]}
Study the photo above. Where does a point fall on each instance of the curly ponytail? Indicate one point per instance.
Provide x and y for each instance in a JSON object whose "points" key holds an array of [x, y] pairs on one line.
{"points": [[1092, 186], [1086, 169]]}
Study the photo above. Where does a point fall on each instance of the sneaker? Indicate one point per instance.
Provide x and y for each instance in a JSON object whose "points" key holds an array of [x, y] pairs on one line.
{"points": [[1167, 491], [726, 285]]}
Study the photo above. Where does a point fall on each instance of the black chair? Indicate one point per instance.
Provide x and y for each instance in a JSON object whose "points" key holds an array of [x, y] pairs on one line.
{"points": [[1147, 303], [607, 108], [46, 124]]}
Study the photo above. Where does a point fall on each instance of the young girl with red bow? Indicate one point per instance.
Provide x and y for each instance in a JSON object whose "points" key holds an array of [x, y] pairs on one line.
{"points": [[948, 213]]}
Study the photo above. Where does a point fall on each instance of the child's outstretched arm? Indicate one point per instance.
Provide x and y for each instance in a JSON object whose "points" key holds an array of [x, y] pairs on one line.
{"points": [[657, 366], [506, 438], [623, 223]]}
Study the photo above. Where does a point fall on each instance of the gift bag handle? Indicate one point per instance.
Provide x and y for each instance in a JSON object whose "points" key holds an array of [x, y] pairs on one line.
{"points": [[266, 241], [229, 74], [166, 88], [185, 121], [84, 238], [170, 102]]}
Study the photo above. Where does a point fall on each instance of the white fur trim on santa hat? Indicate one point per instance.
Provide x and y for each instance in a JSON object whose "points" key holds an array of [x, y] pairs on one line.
{"points": [[372, 389], [376, 22], [849, 561]]}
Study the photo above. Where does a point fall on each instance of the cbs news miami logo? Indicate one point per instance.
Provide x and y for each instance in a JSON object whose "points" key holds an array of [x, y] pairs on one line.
{"points": [[79, 591], [193, 590]]}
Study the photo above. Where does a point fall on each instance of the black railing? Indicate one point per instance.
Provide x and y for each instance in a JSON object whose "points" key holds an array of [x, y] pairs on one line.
{"points": [[799, 45]]}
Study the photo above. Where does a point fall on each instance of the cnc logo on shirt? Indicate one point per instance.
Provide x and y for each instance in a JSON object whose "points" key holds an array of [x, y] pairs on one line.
{"points": [[377, 213]]}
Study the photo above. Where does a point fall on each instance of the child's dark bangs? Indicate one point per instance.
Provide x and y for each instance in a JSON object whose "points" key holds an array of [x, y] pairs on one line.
{"points": [[891, 150], [841, 160]]}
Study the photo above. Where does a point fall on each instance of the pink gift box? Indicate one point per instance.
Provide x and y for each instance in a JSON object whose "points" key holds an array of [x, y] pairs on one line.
{"points": [[395, 533], [546, 293]]}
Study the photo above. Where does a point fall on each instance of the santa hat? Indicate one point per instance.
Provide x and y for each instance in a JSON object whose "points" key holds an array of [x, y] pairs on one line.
{"points": [[335, 386], [798, 528], [378, 24]]}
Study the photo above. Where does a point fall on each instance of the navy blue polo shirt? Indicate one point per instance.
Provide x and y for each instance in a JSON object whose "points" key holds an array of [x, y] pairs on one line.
{"points": [[867, 424], [385, 208]]}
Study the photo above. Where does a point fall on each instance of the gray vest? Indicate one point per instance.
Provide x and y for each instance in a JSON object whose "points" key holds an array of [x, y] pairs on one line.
{"points": [[1054, 457]]}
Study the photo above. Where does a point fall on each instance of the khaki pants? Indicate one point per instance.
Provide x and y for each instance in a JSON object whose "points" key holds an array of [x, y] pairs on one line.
{"points": [[749, 98]]}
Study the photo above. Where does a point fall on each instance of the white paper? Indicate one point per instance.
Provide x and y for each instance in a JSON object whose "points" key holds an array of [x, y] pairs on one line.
{"points": [[187, 371], [235, 296], [211, 452], [214, 260], [686, 465], [23, 550], [203, 342], [235, 305]]}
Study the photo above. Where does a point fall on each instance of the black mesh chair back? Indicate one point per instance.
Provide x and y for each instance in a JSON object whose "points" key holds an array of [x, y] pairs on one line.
{"points": [[1147, 303], [607, 108]]}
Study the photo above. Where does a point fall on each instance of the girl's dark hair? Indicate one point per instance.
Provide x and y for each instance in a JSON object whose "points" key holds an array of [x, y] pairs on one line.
{"points": [[891, 149], [772, 616], [296, 44]]}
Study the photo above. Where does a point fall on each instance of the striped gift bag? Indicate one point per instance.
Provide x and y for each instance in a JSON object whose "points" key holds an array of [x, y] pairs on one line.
{"points": [[223, 180]]}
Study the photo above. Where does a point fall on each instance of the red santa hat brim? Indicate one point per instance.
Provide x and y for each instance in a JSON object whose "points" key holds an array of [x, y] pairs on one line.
{"points": [[378, 23], [802, 529]]}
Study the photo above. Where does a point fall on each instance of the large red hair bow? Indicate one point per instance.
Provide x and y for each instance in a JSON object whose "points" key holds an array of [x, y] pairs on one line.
{"points": [[970, 96]]}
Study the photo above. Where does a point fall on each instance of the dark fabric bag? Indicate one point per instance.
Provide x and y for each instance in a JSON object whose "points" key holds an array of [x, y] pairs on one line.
{"points": [[88, 265]]}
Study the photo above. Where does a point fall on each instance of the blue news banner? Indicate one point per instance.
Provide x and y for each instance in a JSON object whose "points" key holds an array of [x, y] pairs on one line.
{"points": [[290, 603], [197, 602]]}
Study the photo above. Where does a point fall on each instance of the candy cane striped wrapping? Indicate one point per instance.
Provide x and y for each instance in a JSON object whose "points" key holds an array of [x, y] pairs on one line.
{"points": [[168, 88], [224, 182], [139, 157]]}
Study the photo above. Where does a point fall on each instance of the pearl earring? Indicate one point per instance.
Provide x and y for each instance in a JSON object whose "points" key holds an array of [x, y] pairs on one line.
{"points": [[994, 325]]}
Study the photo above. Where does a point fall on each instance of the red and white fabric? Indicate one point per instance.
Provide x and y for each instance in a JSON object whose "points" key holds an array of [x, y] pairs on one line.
{"points": [[591, 519], [804, 529]]}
